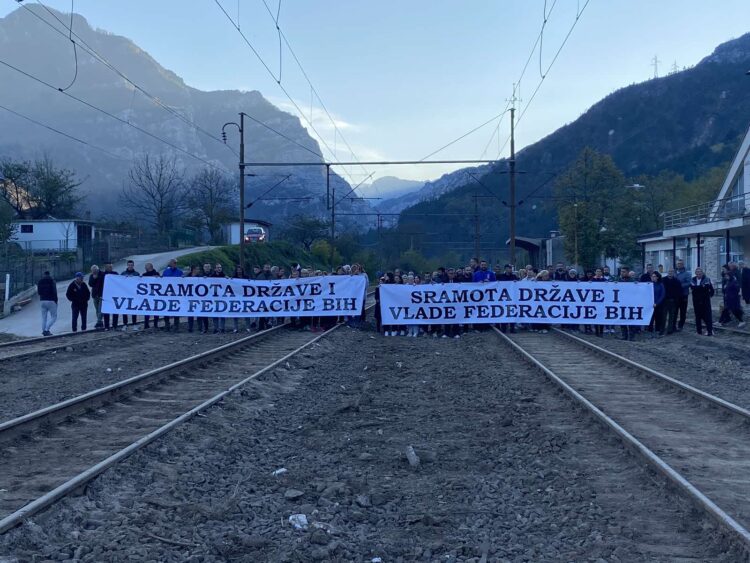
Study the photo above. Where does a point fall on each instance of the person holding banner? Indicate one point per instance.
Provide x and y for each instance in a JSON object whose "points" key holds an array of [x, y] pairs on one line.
{"points": [[656, 326], [172, 271], [507, 275], [108, 271], [195, 272], [151, 273], [219, 322], [483, 274], [239, 274], [131, 272]]}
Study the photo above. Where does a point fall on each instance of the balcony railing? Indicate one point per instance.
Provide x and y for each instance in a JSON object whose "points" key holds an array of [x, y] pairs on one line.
{"points": [[707, 212]]}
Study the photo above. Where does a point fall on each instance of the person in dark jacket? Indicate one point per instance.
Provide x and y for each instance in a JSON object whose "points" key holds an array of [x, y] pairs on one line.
{"points": [[683, 276], [96, 283], [745, 282], [560, 273], [151, 273], [656, 326], [732, 301], [108, 271], [47, 290], [672, 296], [599, 278], [702, 290], [78, 294], [646, 276]]}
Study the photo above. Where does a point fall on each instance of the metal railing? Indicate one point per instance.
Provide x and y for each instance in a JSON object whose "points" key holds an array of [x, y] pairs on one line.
{"points": [[709, 211]]}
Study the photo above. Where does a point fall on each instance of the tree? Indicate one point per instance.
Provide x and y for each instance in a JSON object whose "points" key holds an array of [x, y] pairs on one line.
{"points": [[305, 230], [211, 200], [156, 192], [596, 212], [14, 188], [7, 227], [39, 189]]}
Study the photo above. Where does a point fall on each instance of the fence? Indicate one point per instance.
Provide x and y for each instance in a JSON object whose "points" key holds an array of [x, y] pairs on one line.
{"points": [[26, 261]]}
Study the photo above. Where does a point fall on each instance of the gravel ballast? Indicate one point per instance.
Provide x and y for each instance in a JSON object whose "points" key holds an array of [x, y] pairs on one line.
{"points": [[35, 382], [394, 448]]}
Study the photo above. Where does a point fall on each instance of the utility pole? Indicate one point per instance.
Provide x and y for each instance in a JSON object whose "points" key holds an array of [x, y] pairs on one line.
{"points": [[477, 245], [241, 127], [655, 63], [575, 210], [332, 202], [512, 195]]}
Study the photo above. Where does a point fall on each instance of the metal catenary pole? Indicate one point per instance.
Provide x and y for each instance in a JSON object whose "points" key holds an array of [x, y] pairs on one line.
{"points": [[242, 191], [512, 195]]}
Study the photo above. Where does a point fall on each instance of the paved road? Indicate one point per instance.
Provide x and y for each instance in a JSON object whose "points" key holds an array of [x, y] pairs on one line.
{"points": [[28, 322]]}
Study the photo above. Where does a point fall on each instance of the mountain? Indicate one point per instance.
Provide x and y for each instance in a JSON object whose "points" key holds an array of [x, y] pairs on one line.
{"points": [[389, 187], [30, 44], [686, 122], [430, 190]]}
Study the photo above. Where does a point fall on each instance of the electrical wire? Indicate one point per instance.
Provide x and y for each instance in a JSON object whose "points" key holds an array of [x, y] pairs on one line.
{"points": [[496, 131], [103, 60], [75, 50], [307, 78], [111, 115], [63, 133], [280, 134], [280, 85], [579, 13]]}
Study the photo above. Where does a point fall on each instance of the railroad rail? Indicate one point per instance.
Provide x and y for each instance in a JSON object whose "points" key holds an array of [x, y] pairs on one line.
{"points": [[699, 442], [56, 450], [32, 346]]}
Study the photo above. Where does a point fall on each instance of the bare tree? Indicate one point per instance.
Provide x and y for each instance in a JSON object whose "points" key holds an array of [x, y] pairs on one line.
{"points": [[156, 192], [38, 189], [211, 200]]}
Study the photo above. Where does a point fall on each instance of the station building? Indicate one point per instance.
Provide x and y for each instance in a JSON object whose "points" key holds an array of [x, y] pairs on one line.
{"points": [[711, 233]]}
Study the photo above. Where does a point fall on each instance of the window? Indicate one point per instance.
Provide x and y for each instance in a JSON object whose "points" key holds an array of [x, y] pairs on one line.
{"points": [[27, 228]]}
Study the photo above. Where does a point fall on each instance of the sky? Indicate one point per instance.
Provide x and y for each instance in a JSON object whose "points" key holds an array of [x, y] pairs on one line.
{"points": [[402, 78]]}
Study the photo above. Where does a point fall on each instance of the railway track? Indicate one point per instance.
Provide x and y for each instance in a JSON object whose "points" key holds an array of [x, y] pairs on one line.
{"points": [[52, 452], [31, 346], [699, 442]]}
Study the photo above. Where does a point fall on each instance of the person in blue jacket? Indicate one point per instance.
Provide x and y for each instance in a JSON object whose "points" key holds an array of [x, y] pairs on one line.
{"points": [[484, 274]]}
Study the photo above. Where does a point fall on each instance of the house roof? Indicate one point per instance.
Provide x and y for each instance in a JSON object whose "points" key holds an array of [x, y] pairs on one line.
{"points": [[81, 221]]}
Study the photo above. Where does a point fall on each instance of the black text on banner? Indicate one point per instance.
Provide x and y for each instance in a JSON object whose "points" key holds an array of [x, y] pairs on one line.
{"points": [[325, 296], [607, 303]]}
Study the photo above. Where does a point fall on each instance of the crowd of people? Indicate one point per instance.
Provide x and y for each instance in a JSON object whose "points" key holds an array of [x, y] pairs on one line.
{"points": [[672, 290], [81, 292]]}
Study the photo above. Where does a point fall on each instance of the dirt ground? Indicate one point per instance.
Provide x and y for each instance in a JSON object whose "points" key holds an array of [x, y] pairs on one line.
{"points": [[508, 471], [34, 382]]}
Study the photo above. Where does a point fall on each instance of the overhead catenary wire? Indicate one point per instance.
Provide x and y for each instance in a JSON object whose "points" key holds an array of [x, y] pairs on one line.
{"points": [[111, 115], [501, 115], [78, 40], [579, 13], [280, 85], [59, 132], [307, 78]]}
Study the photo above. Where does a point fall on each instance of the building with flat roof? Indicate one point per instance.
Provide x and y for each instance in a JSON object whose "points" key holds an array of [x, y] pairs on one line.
{"points": [[711, 233]]}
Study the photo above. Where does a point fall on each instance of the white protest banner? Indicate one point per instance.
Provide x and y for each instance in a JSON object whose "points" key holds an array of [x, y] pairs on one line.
{"points": [[608, 303], [325, 296]]}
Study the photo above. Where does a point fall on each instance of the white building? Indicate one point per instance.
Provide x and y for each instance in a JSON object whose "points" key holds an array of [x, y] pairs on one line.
{"points": [[708, 234], [53, 235]]}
